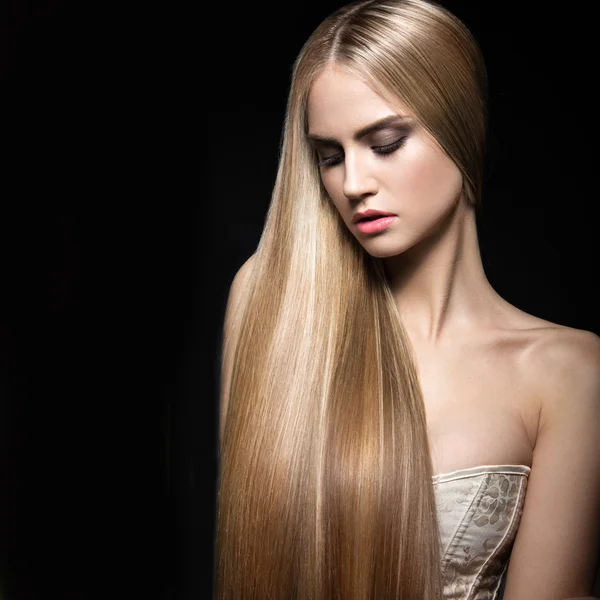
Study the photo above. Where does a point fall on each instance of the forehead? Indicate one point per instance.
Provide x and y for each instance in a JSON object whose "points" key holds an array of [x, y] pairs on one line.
{"points": [[341, 102]]}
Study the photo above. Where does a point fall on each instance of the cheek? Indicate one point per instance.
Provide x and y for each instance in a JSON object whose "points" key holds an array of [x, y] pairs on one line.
{"points": [[334, 188], [431, 177]]}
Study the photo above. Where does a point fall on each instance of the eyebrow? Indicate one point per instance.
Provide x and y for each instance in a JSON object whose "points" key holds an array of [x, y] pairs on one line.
{"points": [[361, 133]]}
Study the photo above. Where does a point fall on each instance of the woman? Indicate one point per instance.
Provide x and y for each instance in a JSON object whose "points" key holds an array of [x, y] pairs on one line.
{"points": [[391, 427]]}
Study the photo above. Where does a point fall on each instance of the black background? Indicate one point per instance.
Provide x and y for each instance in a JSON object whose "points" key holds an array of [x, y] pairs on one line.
{"points": [[141, 145]]}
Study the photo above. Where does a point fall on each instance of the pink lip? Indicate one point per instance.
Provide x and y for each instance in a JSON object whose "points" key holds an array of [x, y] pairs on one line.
{"points": [[375, 225], [370, 212]]}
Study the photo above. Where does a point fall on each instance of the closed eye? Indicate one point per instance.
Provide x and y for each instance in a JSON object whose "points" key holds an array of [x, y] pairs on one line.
{"points": [[329, 161], [389, 148], [336, 159]]}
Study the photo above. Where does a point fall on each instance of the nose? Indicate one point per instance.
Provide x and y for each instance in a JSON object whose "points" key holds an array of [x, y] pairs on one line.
{"points": [[358, 179]]}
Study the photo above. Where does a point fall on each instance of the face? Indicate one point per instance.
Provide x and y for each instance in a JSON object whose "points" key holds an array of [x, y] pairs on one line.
{"points": [[372, 156]]}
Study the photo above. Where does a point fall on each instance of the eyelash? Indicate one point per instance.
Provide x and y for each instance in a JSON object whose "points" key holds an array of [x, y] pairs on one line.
{"points": [[382, 150]]}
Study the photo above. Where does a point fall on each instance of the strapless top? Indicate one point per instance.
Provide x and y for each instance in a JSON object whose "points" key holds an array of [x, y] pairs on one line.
{"points": [[479, 510]]}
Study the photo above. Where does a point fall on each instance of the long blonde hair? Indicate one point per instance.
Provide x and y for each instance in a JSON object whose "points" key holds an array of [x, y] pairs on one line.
{"points": [[325, 488]]}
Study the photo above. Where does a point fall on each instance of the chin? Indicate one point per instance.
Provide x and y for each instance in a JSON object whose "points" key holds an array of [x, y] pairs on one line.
{"points": [[384, 249]]}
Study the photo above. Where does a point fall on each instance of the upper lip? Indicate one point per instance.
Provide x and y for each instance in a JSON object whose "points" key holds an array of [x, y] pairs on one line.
{"points": [[371, 213]]}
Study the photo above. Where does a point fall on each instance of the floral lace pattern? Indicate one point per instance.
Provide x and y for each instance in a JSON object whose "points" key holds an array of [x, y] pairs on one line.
{"points": [[479, 511]]}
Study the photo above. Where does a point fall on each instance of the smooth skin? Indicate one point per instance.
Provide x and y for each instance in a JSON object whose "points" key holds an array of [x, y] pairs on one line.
{"points": [[500, 386]]}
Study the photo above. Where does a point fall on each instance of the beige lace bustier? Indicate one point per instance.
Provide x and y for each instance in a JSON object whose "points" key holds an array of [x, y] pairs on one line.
{"points": [[479, 510]]}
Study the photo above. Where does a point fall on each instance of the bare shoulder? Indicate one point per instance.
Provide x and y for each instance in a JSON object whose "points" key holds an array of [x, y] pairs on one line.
{"points": [[563, 364], [241, 277], [559, 353], [238, 293], [554, 553], [231, 329]]}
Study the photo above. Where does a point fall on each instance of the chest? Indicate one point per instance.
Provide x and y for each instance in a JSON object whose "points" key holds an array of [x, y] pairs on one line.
{"points": [[480, 410]]}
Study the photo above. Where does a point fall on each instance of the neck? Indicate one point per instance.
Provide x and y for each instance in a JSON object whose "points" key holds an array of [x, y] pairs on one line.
{"points": [[439, 284]]}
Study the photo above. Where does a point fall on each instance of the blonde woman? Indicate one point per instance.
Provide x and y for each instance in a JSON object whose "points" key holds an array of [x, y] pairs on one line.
{"points": [[390, 427]]}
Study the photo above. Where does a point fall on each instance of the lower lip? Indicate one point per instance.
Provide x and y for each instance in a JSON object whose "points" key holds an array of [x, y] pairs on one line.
{"points": [[375, 225]]}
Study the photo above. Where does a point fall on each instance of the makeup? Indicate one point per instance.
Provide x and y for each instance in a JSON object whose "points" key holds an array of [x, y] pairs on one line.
{"points": [[375, 225]]}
